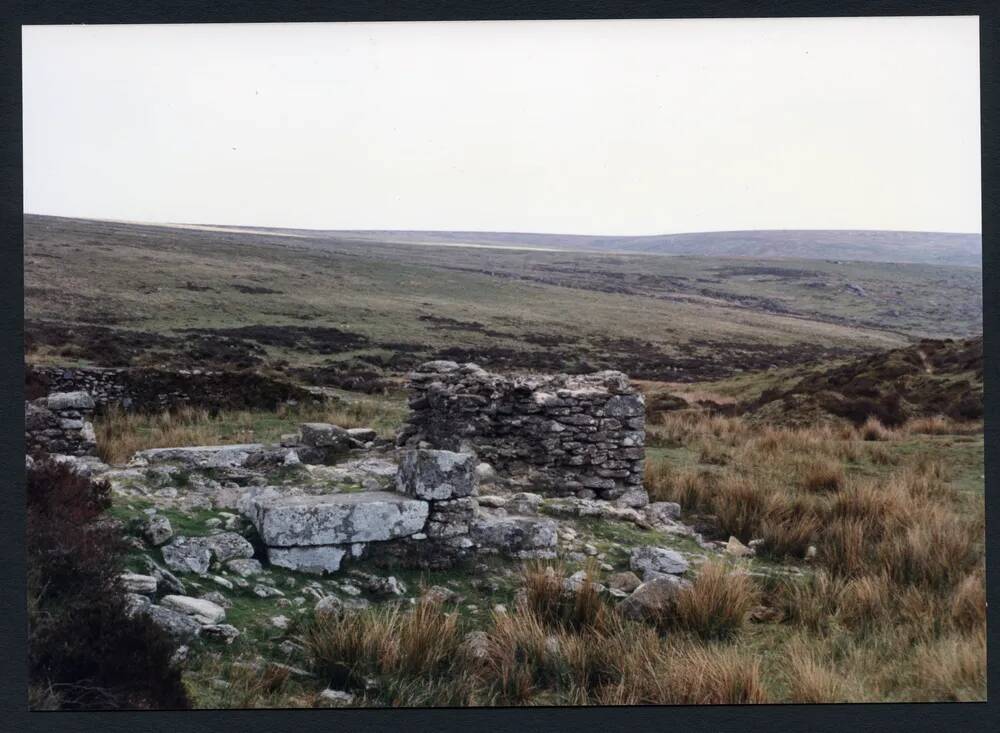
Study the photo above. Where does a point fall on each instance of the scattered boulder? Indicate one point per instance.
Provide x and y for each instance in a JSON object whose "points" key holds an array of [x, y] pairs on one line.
{"points": [[226, 546], [654, 561], [324, 435], [475, 645], [334, 698], [217, 598], [737, 549], [140, 584], [662, 512], [187, 556], [328, 607], [244, 567], [166, 582], [220, 632], [654, 599], [158, 530], [635, 497], [174, 623], [625, 581], [202, 611]]}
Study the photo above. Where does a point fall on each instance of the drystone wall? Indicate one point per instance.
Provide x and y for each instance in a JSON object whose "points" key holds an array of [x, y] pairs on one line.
{"points": [[60, 424], [151, 390], [564, 434]]}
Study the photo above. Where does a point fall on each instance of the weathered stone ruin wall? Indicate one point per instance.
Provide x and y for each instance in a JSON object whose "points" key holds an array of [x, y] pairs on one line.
{"points": [[151, 390], [565, 434], [60, 424], [425, 522]]}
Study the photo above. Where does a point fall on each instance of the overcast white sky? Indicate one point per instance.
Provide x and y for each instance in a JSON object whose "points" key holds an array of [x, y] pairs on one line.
{"points": [[604, 127]]}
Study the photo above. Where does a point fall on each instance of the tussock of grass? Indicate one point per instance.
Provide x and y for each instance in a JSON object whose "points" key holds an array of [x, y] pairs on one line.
{"points": [[873, 429], [717, 603]]}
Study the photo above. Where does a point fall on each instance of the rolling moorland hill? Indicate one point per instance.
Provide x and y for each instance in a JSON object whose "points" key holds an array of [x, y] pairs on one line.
{"points": [[928, 379], [941, 248], [113, 294]]}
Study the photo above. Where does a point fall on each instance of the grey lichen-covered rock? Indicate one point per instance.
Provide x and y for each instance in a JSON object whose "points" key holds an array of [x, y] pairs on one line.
{"points": [[333, 519], [328, 607], [202, 611], [166, 582], [625, 581], [524, 503], [226, 546], [158, 530], [174, 623], [635, 497], [319, 559], [662, 512], [334, 698], [60, 401], [519, 537], [136, 583], [196, 554], [185, 555], [244, 567], [202, 456], [652, 562], [324, 435], [437, 474], [654, 599], [362, 435], [225, 633]]}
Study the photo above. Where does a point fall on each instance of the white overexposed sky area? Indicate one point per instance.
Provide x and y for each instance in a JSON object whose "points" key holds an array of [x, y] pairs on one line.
{"points": [[595, 127]]}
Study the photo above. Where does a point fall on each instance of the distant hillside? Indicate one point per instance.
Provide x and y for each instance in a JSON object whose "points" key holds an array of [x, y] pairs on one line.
{"points": [[869, 246], [932, 377]]}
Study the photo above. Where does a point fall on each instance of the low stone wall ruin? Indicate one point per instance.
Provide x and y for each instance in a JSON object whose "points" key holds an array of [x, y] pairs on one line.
{"points": [[60, 424], [565, 434], [152, 390]]}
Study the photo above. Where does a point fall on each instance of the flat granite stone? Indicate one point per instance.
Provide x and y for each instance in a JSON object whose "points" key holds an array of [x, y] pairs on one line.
{"points": [[336, 519], [202, 456]]}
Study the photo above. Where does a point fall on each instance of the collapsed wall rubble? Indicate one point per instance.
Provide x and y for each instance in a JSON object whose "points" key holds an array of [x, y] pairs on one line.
{"points": [[564, 434]]}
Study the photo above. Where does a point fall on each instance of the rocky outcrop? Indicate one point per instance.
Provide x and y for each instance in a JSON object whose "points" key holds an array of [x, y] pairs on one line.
{"points": [[565, 434]]}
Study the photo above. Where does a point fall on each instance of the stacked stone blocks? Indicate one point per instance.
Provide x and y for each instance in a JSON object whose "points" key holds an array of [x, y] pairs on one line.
{"points": [[567, 434]]}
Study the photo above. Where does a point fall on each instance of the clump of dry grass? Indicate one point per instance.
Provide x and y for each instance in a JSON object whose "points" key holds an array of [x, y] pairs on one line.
{"points": [[717, 603], [811, 680], [940, 425], [952, 668], [873, 429], [120, 434], [423, 642], [713, 454], [546, 597], [968, 602], [822, 475], [694, 674]]}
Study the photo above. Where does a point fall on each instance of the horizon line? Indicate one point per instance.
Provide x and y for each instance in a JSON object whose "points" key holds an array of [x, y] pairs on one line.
{"points": [[499, 231]]}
